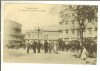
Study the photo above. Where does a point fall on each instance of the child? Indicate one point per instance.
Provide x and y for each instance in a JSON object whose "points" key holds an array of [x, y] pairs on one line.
{"points": [[84, 54]]}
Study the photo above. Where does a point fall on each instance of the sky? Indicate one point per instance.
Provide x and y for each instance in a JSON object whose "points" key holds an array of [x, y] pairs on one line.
{"points": [[33, 15]]}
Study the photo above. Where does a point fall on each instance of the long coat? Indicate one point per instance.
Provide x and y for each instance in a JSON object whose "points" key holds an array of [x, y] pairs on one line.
{"points": [[56, 49], [84, 53], [46, 47]]}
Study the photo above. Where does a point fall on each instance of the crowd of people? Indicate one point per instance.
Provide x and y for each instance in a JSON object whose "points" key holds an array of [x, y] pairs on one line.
{"points": [[55, 46], [38, 46]]}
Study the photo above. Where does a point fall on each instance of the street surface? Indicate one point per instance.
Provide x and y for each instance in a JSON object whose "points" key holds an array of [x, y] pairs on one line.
{"points": [[20, 56]]}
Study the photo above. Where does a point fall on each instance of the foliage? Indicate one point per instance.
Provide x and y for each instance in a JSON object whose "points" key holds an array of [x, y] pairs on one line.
{"points": [[81, 13], [90, 44], [73, 42], [88, 12], [91, 47]]}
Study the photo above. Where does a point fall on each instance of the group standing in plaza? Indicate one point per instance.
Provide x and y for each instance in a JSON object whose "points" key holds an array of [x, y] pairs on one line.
{"points": [[38, 46]]}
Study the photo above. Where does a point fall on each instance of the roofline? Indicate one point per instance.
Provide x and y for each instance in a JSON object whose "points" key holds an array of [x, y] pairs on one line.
{"points": [[13, 22]]}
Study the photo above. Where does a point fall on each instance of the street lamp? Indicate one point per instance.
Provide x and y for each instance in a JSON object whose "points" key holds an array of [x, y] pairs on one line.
{"points": [[38, 29], [38, 32]]}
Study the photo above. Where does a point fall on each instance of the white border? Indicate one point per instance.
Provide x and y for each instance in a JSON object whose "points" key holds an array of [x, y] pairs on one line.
{"points": [[46, 67]]}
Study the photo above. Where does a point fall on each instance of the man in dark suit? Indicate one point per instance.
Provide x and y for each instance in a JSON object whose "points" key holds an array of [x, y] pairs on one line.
{"points": [[39, 45], [34, 45], [46, 47]]}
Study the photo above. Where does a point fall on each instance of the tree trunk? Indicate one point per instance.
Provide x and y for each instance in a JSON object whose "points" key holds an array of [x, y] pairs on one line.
{"points": [[81, 37], [81, 34]]}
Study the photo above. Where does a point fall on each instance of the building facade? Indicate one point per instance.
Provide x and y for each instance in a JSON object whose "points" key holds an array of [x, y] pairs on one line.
{"points": [[42, 35], [71, 28], [66, 32], [68, 28], [12, 32]]}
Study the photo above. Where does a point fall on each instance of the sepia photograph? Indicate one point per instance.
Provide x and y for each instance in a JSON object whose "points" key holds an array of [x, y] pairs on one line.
{"points": [[50, 33]]}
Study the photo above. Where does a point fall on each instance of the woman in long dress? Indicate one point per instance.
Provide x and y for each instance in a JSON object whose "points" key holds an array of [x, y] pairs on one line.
{"points": [[84, 54], [56, 48]]}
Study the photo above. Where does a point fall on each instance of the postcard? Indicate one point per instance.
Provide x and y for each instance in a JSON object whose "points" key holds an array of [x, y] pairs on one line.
{"points": [[50, 33], [50, 36]]}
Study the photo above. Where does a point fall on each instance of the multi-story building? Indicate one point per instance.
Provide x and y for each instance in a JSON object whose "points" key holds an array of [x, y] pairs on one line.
{"points": [[68, 28], [42, 35], [12, 32], [66, 32], [71, 28]]}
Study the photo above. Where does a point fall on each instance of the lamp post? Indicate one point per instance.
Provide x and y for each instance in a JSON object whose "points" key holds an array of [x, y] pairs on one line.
{"points": [[38, 32], [38, 29]]}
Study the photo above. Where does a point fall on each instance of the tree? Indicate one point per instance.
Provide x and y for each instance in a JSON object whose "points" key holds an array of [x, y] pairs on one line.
{"points": [[80, 13], [83, 13]]}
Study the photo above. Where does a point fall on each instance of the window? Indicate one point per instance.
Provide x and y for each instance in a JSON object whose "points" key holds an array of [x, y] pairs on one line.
{"points": [[73, 31], [72, 38], [73, 21], [95, 28], [28, 34], [45, 37], [14, 37], [66, 22], [90, 31], [66, 31], [60, 31]]}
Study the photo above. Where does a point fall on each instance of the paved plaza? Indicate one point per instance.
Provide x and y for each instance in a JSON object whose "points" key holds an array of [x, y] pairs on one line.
{"points": [[20, 56]]}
